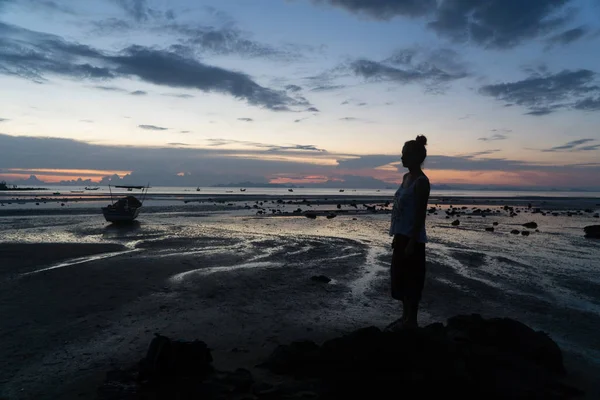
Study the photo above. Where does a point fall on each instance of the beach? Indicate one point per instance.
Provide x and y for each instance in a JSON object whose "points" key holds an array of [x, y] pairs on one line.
{"points": [[82, 296]]}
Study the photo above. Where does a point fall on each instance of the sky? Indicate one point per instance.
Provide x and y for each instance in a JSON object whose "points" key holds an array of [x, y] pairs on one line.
{"points": [[311, 92]]}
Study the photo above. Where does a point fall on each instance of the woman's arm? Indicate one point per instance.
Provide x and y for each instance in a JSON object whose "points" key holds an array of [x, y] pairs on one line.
{"points": [[422, 189]]}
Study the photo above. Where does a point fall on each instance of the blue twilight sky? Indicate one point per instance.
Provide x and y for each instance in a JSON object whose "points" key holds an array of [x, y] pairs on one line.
{"points": [[304, 91]]}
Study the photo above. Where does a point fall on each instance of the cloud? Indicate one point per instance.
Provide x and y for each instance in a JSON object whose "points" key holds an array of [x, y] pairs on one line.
{"points": [[349, 119], [384, 9], [179, 95], [152, 127], [546, 93], [4, 119], [368, 161], [568, 36], [109, 88], [486, 23], [136, 9], [293, 88], [184, 131], [245, 119], [268, 147], [497, 23], [87, 121], [178, 144], [326, 88], [312, 109], [138, 93], [572, 146], [496, 136], [32, 55]]}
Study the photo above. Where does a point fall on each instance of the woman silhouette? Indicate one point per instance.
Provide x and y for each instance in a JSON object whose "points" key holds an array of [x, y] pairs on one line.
{"points": [[408, 229]]}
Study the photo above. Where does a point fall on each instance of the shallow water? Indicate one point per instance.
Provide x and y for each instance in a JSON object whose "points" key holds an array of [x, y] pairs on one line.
{"points": [[549, 280]]}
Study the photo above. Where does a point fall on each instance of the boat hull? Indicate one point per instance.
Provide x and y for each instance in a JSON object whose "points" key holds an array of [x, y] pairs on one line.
{"points": [[120, 216]]}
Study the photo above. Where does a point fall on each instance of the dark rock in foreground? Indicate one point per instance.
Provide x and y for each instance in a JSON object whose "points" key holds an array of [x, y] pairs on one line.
{"points": [[592, 231], [468, 358], [530, 225]]}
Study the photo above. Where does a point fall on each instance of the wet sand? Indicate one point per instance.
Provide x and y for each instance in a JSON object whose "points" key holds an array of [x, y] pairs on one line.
{"points": [[72, 311]]}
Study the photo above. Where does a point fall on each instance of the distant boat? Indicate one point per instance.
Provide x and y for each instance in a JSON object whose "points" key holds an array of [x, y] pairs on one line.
{"points": [[198, 189], [76, 191], [56, 193], [341, 190], [125, 209], [91, 188], [242, 190], [290, 190]]}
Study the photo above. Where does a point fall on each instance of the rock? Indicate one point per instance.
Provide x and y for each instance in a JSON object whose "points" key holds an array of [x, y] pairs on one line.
{"points": [[455, 222], [339, 206], [530, 225], [515, 231], [310, 215], [470, 357], [495, 224], [592, 231], [489, 229], [596, 215], [525, 233], [331, 215], [320, 278]]}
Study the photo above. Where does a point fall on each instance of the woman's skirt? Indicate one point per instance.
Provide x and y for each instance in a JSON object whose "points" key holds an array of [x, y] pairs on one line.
{"points": [[407, 272]]}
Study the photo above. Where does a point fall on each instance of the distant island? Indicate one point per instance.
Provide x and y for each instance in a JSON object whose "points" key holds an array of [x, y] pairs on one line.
{"points": [[5, 186]]}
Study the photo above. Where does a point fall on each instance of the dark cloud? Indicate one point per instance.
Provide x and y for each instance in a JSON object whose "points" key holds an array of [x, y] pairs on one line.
{"points": [[312, 109], [574, 145], [488, 23], [184, 131], [224, 41], [178, 144], [427, 74], [4, 119], [568, 36], [545, 93], [87, 121], [327, 88], [33, 55], [384, 9], [152, 127], [496, 136], [349, 119], [38, 5], [497, 23], [138, 93], [246, 119]]}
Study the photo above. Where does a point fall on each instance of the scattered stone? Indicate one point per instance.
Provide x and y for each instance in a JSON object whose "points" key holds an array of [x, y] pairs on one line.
{"points": [[592, 231], [530, 225], [495, 224], [515, 231], [320, 278], [525, 233], [310, 215], [331, 215], [455, 222], [489, 229], [596, 215]]}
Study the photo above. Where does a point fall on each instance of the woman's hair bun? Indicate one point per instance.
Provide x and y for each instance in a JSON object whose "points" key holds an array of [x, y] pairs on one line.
{"points": [[422, 140]]}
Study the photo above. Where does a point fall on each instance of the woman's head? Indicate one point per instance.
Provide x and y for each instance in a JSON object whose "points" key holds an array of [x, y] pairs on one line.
{"points": [[414, 152]]}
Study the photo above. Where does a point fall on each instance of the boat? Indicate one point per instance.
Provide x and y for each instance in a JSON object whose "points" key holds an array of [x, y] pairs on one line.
{"points": [[125, 209], [91, 188], [341, 190], [198, 189], [76, 191], [242, 190], [56, 193], [290, 190]]}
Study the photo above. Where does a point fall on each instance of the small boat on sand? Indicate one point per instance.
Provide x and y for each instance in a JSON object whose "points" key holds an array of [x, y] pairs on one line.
{"points": [[290, 190], [91, 188], [125, 209]]}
